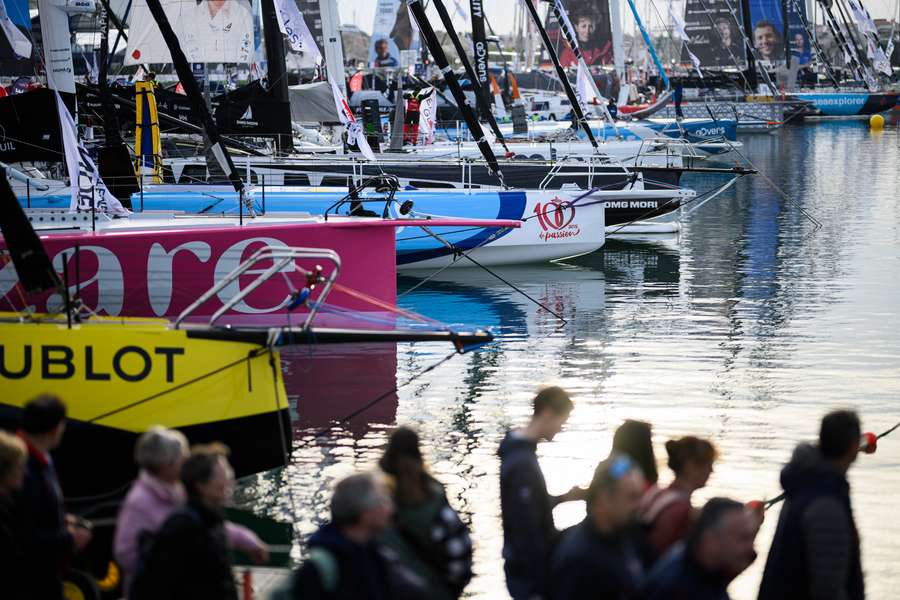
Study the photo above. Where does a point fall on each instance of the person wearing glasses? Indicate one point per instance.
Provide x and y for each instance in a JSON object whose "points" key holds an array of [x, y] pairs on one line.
{"points": [[529, 533], [599, 557]]}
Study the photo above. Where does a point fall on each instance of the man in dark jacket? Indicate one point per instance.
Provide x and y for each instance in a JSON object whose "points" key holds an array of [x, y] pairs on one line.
{"points": [[815, 551], [51, 536], [717, 550], [188, 558], [599, 558], [345, 561], [527, 509]]}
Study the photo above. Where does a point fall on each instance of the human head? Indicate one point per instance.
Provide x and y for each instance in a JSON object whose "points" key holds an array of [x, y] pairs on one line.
{"points": [[691, 459], [724, 28], [765, 39], [361, 504], [634, 439], [381, 49], [722, 538], [13, 455], [552, 407], [44, 421], [839, 438], [161, 452], [402, 460], [615, 493], [207, 476], [584, 28]]}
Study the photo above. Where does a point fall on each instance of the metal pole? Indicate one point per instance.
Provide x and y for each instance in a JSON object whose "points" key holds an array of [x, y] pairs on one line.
{"points": [[264, 193], [93, 211], [28, 193]]}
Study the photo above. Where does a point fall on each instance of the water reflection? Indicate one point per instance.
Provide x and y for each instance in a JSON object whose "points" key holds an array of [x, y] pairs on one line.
{"points": [[745, 328]]}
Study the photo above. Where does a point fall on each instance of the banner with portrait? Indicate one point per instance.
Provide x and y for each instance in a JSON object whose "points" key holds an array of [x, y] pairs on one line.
{"points": [[210, 31], [768, 32], [392, 33], [591, 22], [16, 49], [714, 36]]}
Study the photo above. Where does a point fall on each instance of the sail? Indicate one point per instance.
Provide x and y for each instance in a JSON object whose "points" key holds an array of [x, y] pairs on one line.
{"points": [[768, 31], [714, 36], [30, 260], [29, 129], [209, 32], [147, 143], [591, 22], [392, 33]]}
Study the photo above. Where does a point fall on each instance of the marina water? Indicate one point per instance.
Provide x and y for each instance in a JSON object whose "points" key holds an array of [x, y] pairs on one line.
{"points": [[745, 328]]}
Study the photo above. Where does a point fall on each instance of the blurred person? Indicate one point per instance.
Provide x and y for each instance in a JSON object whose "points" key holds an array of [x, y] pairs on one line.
{"points": [[156, 493], [189, 556], [13, 458], [667, 512], [594, 49], [529, 533], [815, 553], [599, 558], [426, 532], [766, 40], [52, 537], [635, 440], [719, 547], [346, 559]]}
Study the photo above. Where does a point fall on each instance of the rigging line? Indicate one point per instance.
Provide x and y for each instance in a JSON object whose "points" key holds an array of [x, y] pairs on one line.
{"points": [[784, 196], [324, 431], [250, 355], [466, 255]]}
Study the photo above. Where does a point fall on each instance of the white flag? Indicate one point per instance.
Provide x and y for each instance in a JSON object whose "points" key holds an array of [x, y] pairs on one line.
{"points": [[88, 188], [20, 43], [355, 135], [291, 23], [678, 23], [427, 110], [587, 93]]}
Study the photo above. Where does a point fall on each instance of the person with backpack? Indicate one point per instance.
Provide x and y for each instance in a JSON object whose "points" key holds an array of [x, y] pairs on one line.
{"points": [[667, 513], [529, 533], [426, 532], [155, 494], [346, 559], [189, 558], [816, 552]]}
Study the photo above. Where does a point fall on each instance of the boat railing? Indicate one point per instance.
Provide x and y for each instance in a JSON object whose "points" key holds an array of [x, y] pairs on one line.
{"points": [[281, 258], [592, 167]]}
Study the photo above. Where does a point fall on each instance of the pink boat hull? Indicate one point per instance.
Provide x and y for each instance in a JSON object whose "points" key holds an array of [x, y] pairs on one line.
{"points": [[158, 272]]}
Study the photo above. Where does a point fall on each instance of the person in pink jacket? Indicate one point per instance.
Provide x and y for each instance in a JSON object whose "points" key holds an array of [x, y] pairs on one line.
{"points": [[156, 493]]}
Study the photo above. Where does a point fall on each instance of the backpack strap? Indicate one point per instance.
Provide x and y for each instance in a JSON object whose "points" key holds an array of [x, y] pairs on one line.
{"points": [[327, 567]]}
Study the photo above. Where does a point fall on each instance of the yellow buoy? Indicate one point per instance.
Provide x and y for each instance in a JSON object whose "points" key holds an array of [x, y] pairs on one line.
{"points": [[876, 122]]}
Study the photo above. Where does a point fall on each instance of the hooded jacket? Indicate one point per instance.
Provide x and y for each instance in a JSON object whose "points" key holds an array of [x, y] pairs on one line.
{"points": [[678, 576], [815, 552], [528, 530]]}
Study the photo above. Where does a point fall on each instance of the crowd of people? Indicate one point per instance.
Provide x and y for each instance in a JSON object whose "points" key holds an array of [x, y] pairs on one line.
{"points": [[392, 532]]}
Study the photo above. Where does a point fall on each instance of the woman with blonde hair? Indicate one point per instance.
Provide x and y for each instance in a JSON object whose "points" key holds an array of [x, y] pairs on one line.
{"points": [[13, 457]]}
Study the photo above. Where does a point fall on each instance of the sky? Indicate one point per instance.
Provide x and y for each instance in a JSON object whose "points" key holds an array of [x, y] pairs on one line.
{"points": [[500, 12]]}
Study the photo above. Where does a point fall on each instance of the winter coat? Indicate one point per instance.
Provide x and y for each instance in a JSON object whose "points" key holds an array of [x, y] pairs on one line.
{"points": [[188, 559], [148, 504], [590, 565], [529, 533], [340, 569], [433, 541], [49, 546], [815, 552], [677, 576]]}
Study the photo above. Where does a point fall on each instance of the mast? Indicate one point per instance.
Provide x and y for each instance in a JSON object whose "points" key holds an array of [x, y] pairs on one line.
{"points": [[615, 22], [440, 59], [561, 73], [480, 92], [649, 42], [277, 71], [331, 40], [195, 96]]}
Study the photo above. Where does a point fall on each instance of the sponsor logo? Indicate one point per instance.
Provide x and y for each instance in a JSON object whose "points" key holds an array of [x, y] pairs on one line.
{"points": [[709, 131], [247, 117], [632, 204], [129, 363], [557, 219]]}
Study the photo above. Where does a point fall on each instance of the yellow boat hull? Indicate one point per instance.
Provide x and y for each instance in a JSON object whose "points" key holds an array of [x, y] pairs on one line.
{"points": [[119, 377]]}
